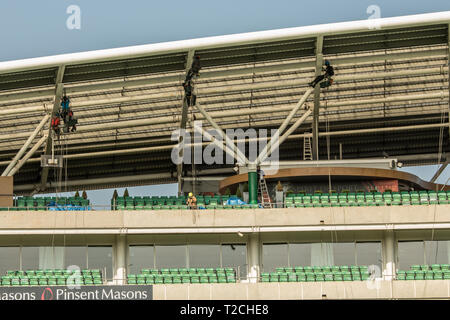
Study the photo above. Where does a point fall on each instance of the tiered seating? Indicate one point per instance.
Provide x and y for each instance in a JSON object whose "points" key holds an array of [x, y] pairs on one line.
{"points": [[183, 275], [312, 274], [302, 200], [43, 203], [173, 203], [57, 277], [425, 272]]}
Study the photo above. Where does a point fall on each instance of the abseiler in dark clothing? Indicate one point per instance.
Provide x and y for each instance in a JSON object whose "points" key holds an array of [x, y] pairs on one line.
{"points": [[329, 72]]}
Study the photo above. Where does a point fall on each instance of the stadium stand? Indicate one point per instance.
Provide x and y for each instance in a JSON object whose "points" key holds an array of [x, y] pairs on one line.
{"points": [[183, 275], [177, 203], [315, 273], [425, 272], [52, 277], [49, 203], [300, 200]]}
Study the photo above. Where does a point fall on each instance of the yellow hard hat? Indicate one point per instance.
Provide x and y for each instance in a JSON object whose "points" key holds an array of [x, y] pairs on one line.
{"points": [[190, 194]]}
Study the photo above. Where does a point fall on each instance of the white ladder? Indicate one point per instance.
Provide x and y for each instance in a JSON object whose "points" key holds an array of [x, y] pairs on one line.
{"points": [[263, 193], [307, 150]]}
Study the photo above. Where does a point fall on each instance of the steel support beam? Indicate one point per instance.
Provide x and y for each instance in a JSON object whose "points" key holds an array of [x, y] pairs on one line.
{"points": [[279, 141], [218, 143], [77, 89], [27, 156], [295, 136], [59, 87], [439, 171], [228, 141], [264, 153], [25, 146], [204, 178], [233, 89], [183, 121], [315, 122]]}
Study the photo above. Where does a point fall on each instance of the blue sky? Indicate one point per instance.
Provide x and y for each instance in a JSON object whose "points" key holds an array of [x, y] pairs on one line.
{"points": [[38, 28]]}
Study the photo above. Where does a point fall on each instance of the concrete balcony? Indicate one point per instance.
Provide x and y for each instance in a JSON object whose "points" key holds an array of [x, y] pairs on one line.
{"points": [[226, 221]]}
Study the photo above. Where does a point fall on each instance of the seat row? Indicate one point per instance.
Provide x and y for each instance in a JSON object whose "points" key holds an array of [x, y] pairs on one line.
{"points": [[183, 275], [423, 275], [314, 276], [185, 207], [172, 279], [52, 272], [51, 277], [367, 199], [44, 201], [191, 271], [425, 272], [321, 269], [317, 273], [149, 203]]}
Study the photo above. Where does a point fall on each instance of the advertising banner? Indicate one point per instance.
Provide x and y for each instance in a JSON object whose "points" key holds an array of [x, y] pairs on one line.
{"points": [[130, 292]]}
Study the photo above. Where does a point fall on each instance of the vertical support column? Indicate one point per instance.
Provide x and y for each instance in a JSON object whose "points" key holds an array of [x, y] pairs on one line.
{"points": [[253, 253], [448, 75], [252, 184], [315, 124], [389, 255], [184, 115], [59, 87], [120, 261]]}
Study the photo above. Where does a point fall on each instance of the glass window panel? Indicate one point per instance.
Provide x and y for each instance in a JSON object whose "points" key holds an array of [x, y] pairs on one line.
{"points": [[369, 253], [299, 254], [51, 258], [322, 254], [140, 257], [344, 254], [76, 256], [30, 258], [171, 256], [235, 256], [9, 259], [437, 252], [410, 253], [204, 256], [274, 255], [101, 258]]}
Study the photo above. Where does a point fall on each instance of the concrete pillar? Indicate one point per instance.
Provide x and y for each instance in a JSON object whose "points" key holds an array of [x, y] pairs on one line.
{"points": [[389, 255], [279, 196], [253, 254], [120, 260]]}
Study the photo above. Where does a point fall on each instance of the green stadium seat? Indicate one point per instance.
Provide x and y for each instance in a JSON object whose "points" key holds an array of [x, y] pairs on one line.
{"points": [[433, 197]]}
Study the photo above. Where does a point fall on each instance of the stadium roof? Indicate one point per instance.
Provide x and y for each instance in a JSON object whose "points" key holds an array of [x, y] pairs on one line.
{"points": [[390, 96]]}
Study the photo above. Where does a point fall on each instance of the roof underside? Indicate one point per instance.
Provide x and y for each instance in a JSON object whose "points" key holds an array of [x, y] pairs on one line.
{"points": [[246, 86]]}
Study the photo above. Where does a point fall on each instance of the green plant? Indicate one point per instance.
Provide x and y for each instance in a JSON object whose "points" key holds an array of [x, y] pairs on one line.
{"points": [[84, 195], [227, 192], [77, 194], [238, 193], [125, 193], [115, 194]]}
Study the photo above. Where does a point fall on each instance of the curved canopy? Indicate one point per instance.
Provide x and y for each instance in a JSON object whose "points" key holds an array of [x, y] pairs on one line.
{"points": [[390, 96]]}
